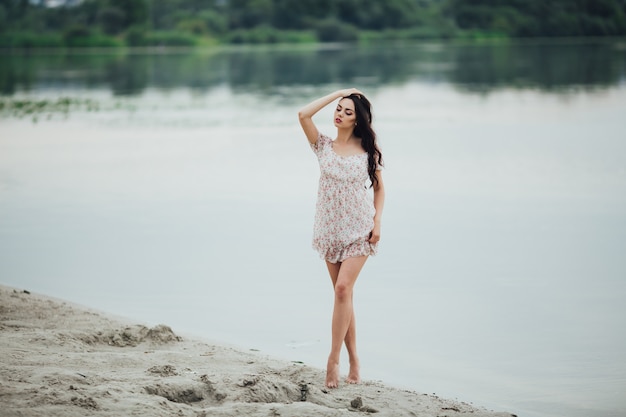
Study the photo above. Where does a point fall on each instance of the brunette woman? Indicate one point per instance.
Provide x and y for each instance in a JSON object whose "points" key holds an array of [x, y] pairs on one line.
{"points": [[348, 213]]}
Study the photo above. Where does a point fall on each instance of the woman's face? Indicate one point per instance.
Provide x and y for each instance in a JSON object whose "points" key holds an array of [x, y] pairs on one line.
{"points": [[345, 115]]}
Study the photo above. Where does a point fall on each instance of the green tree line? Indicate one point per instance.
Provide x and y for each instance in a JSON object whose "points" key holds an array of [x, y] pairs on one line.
{"points": [[527, 18], [192, 22]]}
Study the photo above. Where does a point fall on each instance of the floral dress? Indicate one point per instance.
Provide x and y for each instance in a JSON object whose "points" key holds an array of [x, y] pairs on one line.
{"points": [[344, 214]]}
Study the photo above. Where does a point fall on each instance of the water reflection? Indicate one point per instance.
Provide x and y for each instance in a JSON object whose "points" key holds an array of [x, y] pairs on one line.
{"points": [[553, 67], [550, 67]]}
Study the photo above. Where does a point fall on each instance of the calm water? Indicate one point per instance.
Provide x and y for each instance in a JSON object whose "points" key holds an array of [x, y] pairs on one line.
{"points": [[186, 197]]}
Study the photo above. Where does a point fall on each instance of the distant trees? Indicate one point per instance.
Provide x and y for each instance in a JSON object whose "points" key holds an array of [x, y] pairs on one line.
{"points": [[542, 18], [186, 22], [303, 14]]}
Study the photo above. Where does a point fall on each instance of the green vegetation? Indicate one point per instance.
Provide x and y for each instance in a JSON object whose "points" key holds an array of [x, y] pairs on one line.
{"points": [[529, 18], [38, 108], [104, 23]]}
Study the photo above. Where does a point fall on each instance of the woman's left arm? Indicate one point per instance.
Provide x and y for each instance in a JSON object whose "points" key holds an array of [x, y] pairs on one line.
{"points": [[379, 203]]}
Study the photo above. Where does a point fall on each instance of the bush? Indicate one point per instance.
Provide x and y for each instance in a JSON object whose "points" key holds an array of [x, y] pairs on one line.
{"points": [[268, 34], [297, 36], [169, 38], [76, 32], [416, 33], [259, 34], [81, 37], [196, 27], [216, 23], [95, 41], [30, 40], [135, 36]]}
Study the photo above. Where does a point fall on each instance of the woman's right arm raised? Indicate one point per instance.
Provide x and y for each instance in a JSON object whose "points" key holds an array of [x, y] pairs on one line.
{"points": [[307, 112]]}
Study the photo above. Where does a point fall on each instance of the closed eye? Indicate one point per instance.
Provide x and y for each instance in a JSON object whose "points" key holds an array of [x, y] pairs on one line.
{"points": [[348, 111]]}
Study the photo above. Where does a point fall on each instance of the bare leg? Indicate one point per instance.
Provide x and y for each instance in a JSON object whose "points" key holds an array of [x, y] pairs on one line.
{"points": [[354, 376], [332, 369], [344, 276]]}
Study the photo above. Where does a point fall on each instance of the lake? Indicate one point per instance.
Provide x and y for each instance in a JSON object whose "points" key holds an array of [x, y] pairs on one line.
{"points": [[176, 187]]}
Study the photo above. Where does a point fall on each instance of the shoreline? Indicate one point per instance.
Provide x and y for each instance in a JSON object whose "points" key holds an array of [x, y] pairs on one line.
{"points": [[63, 359]]}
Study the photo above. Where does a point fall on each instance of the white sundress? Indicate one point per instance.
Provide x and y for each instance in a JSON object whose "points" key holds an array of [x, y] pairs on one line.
{"points": [[344, 213]]}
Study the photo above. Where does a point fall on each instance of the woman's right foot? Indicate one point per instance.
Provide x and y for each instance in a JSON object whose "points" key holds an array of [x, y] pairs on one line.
{"points": [[332, 374], [354, 377]]}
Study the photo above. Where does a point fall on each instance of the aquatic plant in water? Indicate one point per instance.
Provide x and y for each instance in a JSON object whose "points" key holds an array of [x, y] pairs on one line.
{"points": [[36, 108]]}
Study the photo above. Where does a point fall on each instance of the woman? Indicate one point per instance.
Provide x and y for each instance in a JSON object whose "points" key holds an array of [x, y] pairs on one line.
{"points": [[347, 219]]}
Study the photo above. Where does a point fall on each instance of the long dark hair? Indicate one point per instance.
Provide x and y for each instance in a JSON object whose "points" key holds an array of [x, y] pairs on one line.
{"points": [[363, 130]]}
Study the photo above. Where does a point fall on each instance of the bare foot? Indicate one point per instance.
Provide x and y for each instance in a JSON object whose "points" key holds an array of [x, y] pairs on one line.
{"points": [[354, 377], [332, 374]]}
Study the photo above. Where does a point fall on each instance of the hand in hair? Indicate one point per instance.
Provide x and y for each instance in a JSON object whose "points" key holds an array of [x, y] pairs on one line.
{"points": [[348, 91]]}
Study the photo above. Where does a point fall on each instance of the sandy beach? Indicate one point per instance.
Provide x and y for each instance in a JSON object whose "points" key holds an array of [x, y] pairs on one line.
{"points": [[61, 359]]}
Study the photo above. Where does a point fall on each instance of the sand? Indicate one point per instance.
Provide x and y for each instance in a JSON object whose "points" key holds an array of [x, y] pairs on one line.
{"points": [[61, 359]]}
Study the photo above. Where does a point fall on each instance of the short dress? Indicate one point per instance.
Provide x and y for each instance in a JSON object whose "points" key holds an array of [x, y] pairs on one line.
{"points": [[344, 213]]}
